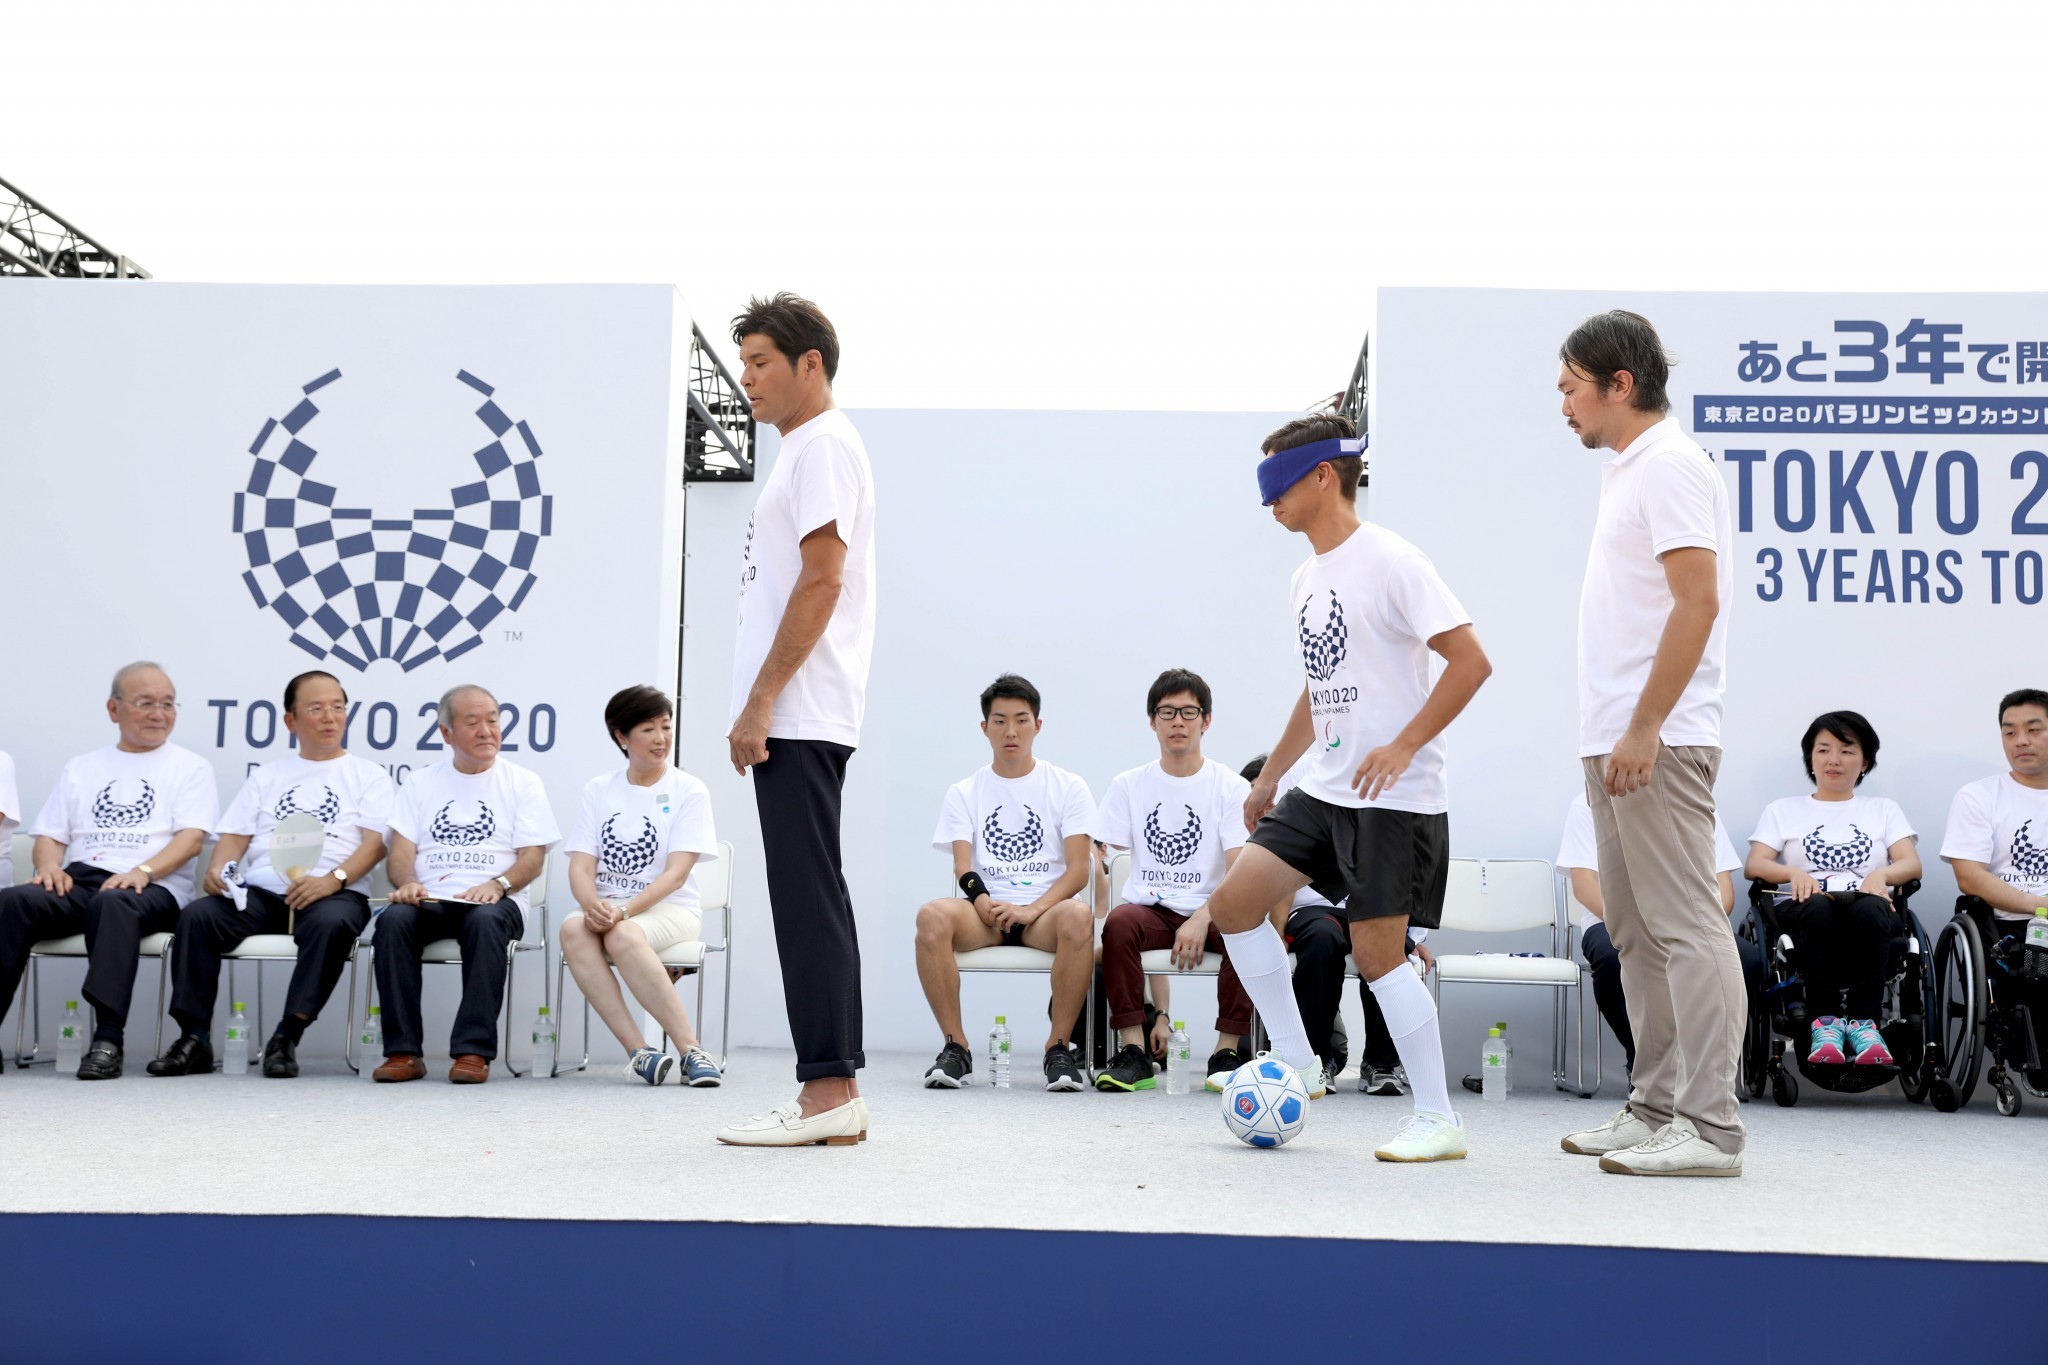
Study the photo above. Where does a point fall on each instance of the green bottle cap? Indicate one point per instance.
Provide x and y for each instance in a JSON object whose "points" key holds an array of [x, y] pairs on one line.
{"points": [[543, 1009], [1493, 1033], [73, 1004], [376, 1009], [1501, 1024], [1002, 1019], [1181, 1024], [2039, 910], [238, 1007]]}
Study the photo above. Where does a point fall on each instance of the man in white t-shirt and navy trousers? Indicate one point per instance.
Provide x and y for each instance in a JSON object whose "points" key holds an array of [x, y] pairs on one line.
{"points": [[1368, 826], [800, 675], [1653, 648], [467, 837], [113, 844]]}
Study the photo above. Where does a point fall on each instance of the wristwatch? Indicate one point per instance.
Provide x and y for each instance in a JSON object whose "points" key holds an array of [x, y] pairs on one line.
{"points": [[146, 870], [341, 876], [504, 882]]}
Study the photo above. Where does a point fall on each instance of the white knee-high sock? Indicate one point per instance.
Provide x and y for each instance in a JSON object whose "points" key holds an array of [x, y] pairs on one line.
{"points": [[1411, 1019], [1260, 956]]}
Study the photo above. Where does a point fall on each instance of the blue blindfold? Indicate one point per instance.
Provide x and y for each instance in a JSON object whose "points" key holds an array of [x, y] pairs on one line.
{"points": [[1280, 472]]}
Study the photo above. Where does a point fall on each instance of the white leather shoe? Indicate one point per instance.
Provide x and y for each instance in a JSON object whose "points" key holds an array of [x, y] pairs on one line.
{"points": [[1622, 1131], [785, 1126], [1675, 1149], [860, 1105]]}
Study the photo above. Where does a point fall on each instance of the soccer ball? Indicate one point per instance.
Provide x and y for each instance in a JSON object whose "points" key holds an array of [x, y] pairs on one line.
{"points": [[1264, 1102]]}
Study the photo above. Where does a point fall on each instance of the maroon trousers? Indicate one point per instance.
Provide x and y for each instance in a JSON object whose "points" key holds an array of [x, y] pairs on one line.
{"points": [[1134, 929]]}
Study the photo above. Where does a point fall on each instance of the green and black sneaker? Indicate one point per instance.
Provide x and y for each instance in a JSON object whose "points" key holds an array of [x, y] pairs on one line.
{"points": [[1130, 1069], [1222, 1062]]}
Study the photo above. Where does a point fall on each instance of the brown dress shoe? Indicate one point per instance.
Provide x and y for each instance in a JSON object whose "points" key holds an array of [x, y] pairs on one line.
{"points": [[400, 1069], [470, 1069]]}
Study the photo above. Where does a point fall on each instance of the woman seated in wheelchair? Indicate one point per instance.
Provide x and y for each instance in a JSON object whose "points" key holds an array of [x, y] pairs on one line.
{"points": [[1835, 855]]}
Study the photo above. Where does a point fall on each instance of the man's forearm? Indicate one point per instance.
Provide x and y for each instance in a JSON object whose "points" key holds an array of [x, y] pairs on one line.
{"points": [[803, 624], [1679, 651], [1993, 890], [1293, 741], [526, 866]]}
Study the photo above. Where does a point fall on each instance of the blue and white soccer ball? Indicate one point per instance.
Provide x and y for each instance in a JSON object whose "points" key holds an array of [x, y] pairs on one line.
{"points": [[1264, 1102]]}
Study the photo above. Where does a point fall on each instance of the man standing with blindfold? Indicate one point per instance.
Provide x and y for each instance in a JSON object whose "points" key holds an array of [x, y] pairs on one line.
{"points": [[1367, 826]]}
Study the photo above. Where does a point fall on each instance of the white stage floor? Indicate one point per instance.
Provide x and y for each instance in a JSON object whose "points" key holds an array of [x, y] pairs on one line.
{"points": [[1864, 1175]]}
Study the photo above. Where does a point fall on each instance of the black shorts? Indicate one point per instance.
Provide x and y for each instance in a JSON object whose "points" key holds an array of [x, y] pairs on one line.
{"points": [[1013, 937], [1380, 863]]}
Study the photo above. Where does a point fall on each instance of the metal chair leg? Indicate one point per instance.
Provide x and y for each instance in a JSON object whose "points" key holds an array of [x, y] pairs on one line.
{"points": [[505, 1052]]}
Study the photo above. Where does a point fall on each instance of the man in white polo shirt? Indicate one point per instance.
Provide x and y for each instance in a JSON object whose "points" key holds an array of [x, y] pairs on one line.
{"points": [[800, 676], [1653, 649]]}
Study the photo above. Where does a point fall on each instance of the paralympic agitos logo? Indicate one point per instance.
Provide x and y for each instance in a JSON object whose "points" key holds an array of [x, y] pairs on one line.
{"points": [[359, 584]]}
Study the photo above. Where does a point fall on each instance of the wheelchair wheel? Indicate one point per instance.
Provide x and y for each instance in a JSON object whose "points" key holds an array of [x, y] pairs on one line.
{"points": [[1943, 1094], [1785, 1089], [2008, 1095], [1959, 1004]]}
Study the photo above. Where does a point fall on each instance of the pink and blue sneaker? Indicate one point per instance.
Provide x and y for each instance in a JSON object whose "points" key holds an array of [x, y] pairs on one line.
{"points": [[1827, 1042], [1868, 1044]]}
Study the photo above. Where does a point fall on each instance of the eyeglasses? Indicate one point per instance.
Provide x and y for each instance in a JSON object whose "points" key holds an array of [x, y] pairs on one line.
{"points": [[150, 706], [1183, 712], [322, 711]]}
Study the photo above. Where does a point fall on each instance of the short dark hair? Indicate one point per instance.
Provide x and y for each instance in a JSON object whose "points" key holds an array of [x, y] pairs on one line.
{"points": [[1012, 686], [291, 689], [1607, 343], [1848, 726], [1322, 426], [794, 324], [1250, 772], [632, 707], [2024, 696], [1178, 680]]}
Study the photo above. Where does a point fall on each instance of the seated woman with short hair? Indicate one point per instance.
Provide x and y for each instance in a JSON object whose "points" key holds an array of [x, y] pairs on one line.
{"points": [[640, 834], [1857, 848]]}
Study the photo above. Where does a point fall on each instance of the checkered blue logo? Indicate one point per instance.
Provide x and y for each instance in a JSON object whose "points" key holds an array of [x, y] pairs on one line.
{"points": [[356, 585], [2028, 861], [109, 812], [316, 799], [449, 826], [624, 857], [1006, 846], [1176, 848], [1322, 650], [1848, 856]]}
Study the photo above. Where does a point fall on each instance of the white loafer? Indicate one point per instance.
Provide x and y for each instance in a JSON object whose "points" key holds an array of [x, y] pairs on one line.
{"points": [[785, 1126]]}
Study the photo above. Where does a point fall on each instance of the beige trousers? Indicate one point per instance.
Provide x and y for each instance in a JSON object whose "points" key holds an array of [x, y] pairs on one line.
{"points": [[1679, 968]]}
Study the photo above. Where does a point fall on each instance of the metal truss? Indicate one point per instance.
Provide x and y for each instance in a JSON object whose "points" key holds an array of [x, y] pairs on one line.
{"points": [[718, 438], [36, 242]]}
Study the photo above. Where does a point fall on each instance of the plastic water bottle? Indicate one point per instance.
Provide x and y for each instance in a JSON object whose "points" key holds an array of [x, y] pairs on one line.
{"points": [[370, 1043], [543, 1044], [999, 1054], [234, 1058], [1493, 1067], [70, 1038], [1507, 1041], [1180, 1060], [2035, 960]]}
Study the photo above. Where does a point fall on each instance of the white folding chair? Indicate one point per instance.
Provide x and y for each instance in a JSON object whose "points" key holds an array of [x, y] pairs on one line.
{"points": [[1513, 895], [29, 1005], [1574, 939], [714, 892], [1005, 959], [446, 952], [262, 948]]}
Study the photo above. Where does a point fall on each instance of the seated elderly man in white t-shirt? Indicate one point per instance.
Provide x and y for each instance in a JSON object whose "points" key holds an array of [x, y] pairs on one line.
{"points": [[467, 836], [640, 833], [1997, 842], [1576, 858], [114, 841]]}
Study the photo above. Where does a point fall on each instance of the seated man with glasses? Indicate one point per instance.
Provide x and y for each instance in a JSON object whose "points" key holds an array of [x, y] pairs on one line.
{"points": [[1181, 817], [112, 844], [323, 907]]}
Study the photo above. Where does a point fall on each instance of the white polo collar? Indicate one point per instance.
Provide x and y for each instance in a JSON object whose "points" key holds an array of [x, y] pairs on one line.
{"points": [[1650, 437]]}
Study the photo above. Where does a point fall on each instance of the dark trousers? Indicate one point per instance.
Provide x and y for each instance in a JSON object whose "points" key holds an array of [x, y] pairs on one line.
{"points": [[1321, 941], [1841, 952], [1605, 963], [484, 932], [114, 924], [797, 794], [326, 930], [1134, 929]]}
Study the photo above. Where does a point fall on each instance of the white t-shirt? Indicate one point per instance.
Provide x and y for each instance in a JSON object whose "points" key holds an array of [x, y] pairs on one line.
{"points": [[1663, 493], [1839, 842], [1579, 848], [1177, 829], [1363, 616], [1018, 826], [469, 827], [113, 809], [2003, 825], [631, 831], [820, 476], [348, 795], [10, 817]]}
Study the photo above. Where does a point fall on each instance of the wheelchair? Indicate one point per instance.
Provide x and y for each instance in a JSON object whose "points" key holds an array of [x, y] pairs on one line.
{"points": [[1979, 1007], [1780, 1020]]}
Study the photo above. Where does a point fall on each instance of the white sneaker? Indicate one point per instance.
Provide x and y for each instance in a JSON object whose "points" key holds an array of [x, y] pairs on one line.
{"points": [[1675, 1149], [1425, 1137], [785, 1126], [1311, 1076], [1621, 1131]]}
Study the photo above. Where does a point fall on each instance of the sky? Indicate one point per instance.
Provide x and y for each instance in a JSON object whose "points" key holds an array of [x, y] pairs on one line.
{"points": [[1143, 206]]}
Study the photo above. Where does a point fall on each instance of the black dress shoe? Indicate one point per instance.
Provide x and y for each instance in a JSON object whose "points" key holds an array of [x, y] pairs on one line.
{"points": [[189, 1056], [102, 1062], [280, 1061]]}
